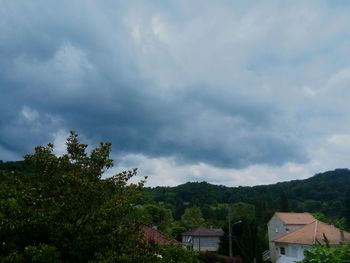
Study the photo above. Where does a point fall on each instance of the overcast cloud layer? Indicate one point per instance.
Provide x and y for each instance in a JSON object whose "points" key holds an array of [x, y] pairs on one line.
{"points": [[231, 92]]}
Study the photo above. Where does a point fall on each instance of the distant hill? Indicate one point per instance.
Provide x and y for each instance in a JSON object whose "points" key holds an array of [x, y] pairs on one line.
{"points": [[324, 192], [13, 166]]}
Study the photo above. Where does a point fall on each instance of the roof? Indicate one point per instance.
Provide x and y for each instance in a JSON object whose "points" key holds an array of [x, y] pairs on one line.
{"points": [[203, 231], [295, 218], [313, 233], [151, 234]]}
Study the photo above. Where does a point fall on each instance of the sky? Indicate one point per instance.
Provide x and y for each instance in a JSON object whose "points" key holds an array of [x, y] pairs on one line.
{"points": [[238, 93]]}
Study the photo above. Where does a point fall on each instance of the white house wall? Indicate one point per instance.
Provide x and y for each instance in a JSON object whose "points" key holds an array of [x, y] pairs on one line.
{"points": [[293, 252], [277, 228], [202, 243]]}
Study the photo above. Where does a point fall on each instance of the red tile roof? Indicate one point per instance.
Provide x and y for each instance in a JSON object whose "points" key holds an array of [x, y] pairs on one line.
{"points": [[203, 231], [312, 234], [151, 234], [295, 218]]}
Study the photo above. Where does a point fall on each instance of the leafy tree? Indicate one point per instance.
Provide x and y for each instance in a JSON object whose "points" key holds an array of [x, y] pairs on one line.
{"points": [[243, 242], [284, 202], [174, 253], [241, 210], [327, 254], [192, 217], [338, 222], [157, 215], [176, 229], [13, 166], [60, 209], [347, 207]]}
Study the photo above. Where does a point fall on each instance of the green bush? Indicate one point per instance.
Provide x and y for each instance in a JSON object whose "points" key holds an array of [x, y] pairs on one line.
{"points": [[327, 254]]}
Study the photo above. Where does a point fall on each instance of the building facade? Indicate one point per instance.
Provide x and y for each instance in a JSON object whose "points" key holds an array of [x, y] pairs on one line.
{"points": [[202, 239], [290, 234], [283, 223]]}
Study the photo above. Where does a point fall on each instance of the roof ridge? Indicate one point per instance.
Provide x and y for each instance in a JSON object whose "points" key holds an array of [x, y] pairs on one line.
{"points": [[293, 213], [202, 231], [311, 234], [157, 230], [295, 218]]}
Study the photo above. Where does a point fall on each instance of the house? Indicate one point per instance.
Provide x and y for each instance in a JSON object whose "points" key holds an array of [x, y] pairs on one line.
{"points": [[292, 233], [202, 239], [283, 223], [152, 235]]}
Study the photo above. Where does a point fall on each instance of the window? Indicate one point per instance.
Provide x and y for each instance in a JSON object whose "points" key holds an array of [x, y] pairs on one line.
{"points": [[282, 250], [188, 239]]}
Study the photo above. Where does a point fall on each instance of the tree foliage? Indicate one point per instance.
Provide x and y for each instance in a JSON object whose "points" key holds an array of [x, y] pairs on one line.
{"points": [[327, 254], [346, 212], [61, 210], [192, 217], [157, 215]]}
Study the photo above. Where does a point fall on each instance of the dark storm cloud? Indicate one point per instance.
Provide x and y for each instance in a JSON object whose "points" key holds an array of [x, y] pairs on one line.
{"points": [[111, 72]]}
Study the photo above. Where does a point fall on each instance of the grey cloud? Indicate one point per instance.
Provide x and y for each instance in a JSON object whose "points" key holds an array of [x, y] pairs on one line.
{"points": [[152, 83]]}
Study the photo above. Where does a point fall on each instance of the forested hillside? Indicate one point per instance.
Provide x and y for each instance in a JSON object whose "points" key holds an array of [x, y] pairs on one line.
{"points": [[326, 195], [13, 166], [324, 192], [176, 209]]}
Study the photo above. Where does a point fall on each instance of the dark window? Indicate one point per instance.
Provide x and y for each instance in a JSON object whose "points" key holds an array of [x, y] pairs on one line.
{"points": [[282, 250]]}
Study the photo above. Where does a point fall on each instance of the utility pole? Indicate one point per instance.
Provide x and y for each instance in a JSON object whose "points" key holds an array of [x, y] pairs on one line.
{"points": [[199, 241], [229, 231]]}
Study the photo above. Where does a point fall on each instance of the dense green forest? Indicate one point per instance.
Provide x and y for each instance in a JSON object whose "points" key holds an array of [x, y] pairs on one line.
{"points": [[60, 207], [326, 195]]}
